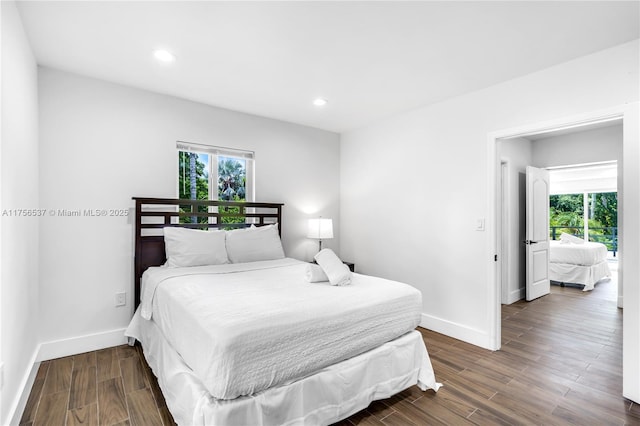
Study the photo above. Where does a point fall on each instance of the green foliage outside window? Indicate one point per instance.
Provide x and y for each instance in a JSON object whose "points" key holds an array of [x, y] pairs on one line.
{"points": [[566, 210], [605, 208], [232, 185], [193, 182], [566, 214]]}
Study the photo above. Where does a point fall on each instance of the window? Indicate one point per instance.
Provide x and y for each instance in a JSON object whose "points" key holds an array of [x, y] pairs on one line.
{"points": [[583, 201], [214, 173], [592, 214]]}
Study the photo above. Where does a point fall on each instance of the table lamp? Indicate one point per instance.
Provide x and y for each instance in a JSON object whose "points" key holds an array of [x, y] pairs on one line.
{"points": [[321, 229]]}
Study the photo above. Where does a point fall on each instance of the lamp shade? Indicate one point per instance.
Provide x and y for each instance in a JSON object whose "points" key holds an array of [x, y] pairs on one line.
{"points": [[320, 228]]}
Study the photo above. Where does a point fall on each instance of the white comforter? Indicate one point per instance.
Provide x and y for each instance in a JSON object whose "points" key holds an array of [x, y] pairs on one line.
{"points": [[243, 328], [587, 254]]}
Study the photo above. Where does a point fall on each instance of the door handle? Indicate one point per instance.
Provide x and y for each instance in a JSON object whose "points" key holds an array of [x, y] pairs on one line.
{"points": [[529, 242]]}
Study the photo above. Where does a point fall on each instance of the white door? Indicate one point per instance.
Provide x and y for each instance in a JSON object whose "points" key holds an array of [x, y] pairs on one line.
{"points": [[537, 235]]}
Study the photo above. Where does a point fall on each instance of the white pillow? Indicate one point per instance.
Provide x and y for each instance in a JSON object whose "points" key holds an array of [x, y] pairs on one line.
{"points": [[191, 247], [568, 238], [254, 244]]}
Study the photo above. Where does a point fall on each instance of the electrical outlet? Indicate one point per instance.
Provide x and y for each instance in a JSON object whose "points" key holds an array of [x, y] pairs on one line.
{"points": [[121, 299]]}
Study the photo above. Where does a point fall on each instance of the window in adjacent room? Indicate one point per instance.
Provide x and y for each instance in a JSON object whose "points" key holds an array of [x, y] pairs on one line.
{"points": [[592, 214], [584, 202], [214, 173]]}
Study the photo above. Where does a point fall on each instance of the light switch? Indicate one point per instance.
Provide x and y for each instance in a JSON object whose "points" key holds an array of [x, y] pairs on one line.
{"points": [[480, 224]]}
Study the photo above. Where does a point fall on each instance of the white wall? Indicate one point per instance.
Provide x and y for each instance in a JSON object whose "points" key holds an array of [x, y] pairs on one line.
{"points": [[412, 186], [102, 144], [581, 147], [518, 155], [19, 171]]}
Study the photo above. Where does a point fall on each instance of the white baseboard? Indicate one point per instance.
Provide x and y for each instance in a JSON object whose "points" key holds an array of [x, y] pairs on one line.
{"points": [[457, 331], [20, 401], [80, 344], [516, 295]]}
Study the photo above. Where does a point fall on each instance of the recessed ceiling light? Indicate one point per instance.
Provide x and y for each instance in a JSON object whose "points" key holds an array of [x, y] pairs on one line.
{"points": [[164, 55], [320, 102]]}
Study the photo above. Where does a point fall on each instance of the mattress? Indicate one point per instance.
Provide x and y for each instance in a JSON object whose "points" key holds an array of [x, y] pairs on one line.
{"points": [[244, 328], [589, 253]]}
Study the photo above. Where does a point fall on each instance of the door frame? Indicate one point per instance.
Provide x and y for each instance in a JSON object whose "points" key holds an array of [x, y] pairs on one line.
{"points": [[629, 235], [502, 231]]}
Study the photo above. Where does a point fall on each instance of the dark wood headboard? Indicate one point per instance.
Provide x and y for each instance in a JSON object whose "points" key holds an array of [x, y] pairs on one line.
{"points": [[153, 214]]}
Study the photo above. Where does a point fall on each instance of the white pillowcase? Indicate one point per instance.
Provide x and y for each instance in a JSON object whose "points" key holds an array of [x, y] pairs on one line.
{"points": [[191, 247], [254, 244], [568, 238]]}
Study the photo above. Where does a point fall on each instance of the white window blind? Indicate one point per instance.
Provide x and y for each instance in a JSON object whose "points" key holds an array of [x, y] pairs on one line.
{"points": [[214, 150], [589, 178]]}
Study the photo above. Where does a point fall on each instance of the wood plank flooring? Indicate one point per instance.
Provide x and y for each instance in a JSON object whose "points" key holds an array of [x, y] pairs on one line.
{"points": [[560, 364], [112, 386]]}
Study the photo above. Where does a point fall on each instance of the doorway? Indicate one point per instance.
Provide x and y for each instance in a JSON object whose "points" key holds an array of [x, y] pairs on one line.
{"points": [[598, 149], [629, 238]]}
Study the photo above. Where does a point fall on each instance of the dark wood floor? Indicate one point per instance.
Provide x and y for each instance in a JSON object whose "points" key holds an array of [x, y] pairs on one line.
{"points": [[112, 386], [560, 363]]}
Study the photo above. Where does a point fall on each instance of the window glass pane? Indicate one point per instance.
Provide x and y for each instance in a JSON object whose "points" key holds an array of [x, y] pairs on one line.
{"points": [[603, 219], [232, 179], [232, 184], [193, 182]]}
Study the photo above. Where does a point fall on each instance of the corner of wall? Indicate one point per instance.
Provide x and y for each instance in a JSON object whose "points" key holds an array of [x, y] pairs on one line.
{"points": [[20, 236], [516, 295], [19, 402]]}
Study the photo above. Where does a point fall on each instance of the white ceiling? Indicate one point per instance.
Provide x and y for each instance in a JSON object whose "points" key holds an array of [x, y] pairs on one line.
{"points": [[369, 59]]}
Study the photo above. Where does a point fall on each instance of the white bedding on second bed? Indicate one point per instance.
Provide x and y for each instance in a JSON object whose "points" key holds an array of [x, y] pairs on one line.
{"points": [[243, 328], [589, 253]]}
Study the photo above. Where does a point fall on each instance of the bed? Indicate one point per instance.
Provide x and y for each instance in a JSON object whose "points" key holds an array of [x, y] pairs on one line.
{"points": [[308, 353], [578, 263]]}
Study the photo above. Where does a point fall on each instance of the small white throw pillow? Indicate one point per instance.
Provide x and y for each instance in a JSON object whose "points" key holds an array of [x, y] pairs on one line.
{"points": [[337, 272], [314, 274]]}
